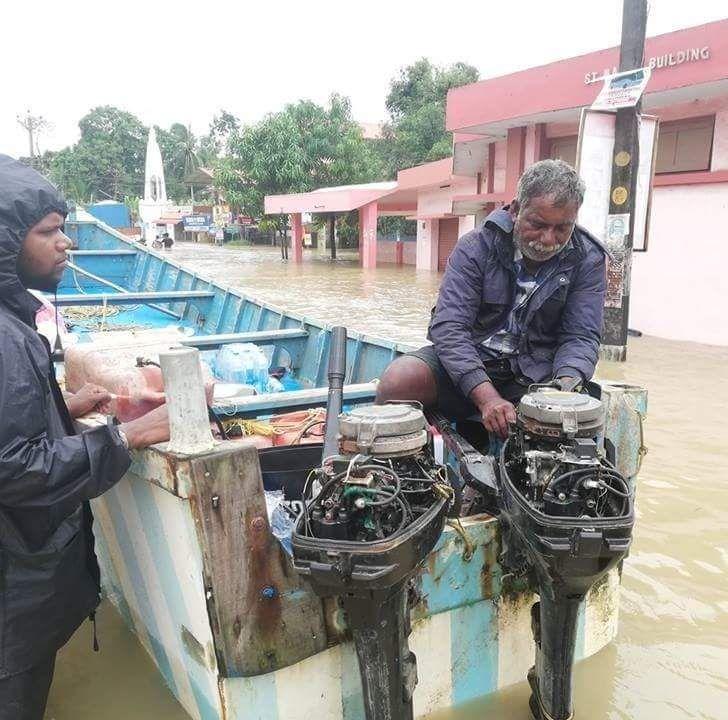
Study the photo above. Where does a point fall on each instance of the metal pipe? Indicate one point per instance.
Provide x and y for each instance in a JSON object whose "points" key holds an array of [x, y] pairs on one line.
{"points": [[118, 288], [337, 372], [189, 423]]}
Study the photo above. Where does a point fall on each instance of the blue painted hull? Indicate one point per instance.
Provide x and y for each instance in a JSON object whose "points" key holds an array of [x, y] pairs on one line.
{"points": [[162, 570]]}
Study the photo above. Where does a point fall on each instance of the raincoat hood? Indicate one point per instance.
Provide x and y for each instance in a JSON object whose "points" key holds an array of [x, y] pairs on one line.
{"points": [[26, 197]]}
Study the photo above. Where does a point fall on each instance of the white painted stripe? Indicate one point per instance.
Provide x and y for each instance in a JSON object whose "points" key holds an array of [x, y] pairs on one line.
{"points": [[101, 515], [430, 642], [171, 638], [516, 649], [601, 614], [311, 688], [184, 549]]}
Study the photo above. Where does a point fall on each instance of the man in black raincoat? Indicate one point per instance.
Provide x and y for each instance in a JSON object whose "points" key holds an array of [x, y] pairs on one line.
{"points": [[49, 578]]}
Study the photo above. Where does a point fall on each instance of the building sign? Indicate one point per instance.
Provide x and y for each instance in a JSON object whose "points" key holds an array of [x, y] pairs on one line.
{"points": [[659, 62], [622, 90], [221, 215], [197, 223]]}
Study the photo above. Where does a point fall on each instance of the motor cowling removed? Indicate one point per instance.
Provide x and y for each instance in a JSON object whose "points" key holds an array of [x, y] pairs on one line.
{"points": [[376, 511], [567, 516]]}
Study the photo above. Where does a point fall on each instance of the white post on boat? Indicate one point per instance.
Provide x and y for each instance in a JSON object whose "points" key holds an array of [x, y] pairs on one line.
{"points": [[189, 423]]}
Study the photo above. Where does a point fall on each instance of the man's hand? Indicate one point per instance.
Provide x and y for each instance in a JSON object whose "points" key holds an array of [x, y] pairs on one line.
{"points": [[90, 397], [148, 429], [568, 384], [495, 411]]}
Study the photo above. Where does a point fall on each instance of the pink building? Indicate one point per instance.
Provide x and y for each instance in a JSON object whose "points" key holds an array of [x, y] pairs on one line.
{"points": [[424, 193], [503, 124]]}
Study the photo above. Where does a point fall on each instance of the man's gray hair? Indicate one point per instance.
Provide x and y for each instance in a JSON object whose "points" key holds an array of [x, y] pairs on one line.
{"points": [[551, 178]]}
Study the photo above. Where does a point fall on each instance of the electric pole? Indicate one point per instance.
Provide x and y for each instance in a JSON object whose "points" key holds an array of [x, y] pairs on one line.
{"points": [[33, 125], [625, 162]]}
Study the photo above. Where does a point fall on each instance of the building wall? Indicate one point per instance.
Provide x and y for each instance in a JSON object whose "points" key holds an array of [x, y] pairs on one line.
{"points": [[678, 285], [719, 159], [499, 167], [386, 251]]}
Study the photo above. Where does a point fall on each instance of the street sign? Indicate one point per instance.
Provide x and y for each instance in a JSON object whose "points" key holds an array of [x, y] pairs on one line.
{"points": [[622, 89], [197, 223]]}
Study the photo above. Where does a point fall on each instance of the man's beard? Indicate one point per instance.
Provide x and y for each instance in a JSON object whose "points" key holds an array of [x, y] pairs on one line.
{"points": [[536, 251], [45, 283]]}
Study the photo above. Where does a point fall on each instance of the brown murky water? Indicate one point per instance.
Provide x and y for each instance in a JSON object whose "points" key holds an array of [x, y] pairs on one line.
{"points": [[670, 660]]}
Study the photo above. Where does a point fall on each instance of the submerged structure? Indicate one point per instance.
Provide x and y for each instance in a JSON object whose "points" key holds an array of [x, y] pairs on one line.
{"points": [[246, 619]]}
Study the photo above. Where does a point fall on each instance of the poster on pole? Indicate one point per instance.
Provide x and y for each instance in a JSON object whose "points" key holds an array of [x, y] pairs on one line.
{"points": [[622, 89], [594, 160]]}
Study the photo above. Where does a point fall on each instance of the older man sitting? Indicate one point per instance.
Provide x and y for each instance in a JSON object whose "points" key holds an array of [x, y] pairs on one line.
{"points": [[521, 302]]}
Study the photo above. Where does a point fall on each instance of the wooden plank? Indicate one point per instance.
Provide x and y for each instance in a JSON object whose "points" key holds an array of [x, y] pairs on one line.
{"points": [[209, 342], [263, 616], [272, 403], [223, 309], [106, 253], [133, 298]]}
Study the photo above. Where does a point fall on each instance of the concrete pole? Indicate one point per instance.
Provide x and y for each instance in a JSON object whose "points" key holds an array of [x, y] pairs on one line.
{"points": [[368, 225], [189, 423], [625, 162], [297, 237]]}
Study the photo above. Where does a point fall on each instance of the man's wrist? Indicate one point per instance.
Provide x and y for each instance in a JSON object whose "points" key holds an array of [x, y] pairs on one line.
{"points": [[484, 393]]}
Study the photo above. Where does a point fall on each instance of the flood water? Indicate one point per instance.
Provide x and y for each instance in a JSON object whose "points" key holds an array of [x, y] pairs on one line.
{"points": [[670, 660]]}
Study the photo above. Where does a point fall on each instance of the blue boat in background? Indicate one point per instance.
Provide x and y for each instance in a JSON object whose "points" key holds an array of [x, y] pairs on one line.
{"points": [[188, 555]]}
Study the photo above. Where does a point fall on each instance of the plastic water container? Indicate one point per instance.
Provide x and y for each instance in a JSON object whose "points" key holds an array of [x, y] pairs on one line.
{"points": [[243, 363]]}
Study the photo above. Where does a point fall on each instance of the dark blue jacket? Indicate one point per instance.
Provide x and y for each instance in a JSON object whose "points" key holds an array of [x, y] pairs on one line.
{"points": [[562, 322]]}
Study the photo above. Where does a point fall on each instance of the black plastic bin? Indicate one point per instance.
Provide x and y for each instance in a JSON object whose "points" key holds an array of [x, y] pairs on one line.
{"points": [[287, 467]]}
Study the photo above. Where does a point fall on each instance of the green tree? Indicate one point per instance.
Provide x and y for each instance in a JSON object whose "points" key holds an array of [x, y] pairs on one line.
{"points": [[223, 127], [301, 148], [107, 161], [416, 101], [179, 148]]}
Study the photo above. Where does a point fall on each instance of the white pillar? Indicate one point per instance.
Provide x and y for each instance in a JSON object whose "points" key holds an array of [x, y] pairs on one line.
{"points": [[427, 244], [465, 224], [189, 424]]}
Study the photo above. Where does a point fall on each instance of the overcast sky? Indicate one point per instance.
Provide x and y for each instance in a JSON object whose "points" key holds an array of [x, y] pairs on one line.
{"points": [[184, 61]]}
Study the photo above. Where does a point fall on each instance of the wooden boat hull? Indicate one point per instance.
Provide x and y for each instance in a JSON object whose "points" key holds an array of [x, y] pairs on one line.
{"points": [[188, 558]]}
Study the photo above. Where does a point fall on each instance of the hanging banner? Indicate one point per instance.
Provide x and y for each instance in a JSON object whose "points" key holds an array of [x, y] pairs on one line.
{"points": [[594, 158]]}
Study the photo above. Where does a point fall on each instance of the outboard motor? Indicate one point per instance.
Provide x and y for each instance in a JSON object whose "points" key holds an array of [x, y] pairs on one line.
{"points": [[375, 511], [567, 516]]}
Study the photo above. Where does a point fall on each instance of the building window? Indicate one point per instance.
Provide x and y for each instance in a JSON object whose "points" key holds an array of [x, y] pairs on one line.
{"points": [[685, 145], [564, 148]]}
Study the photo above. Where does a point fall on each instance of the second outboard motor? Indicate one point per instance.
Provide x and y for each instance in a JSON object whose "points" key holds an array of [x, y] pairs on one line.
{"points": [[568, 516], [376, 510]]}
